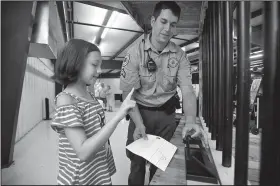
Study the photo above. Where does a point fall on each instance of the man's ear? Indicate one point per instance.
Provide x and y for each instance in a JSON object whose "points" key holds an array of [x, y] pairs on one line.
{"points": [[153, 20]]}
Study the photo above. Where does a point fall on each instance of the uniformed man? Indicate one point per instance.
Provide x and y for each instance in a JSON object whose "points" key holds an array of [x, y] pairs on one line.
{"points": [[154, 67]]}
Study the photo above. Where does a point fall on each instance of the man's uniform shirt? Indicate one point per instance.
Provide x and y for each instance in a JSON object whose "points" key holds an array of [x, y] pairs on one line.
{"points": [[153, 89]]}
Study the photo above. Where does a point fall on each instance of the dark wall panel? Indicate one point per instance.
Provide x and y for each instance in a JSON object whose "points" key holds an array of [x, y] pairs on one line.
{"points": [[16, 20]]}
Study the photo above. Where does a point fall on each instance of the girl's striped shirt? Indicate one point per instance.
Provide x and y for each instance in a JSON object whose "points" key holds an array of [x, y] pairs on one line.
{"points": [[90, 116]]}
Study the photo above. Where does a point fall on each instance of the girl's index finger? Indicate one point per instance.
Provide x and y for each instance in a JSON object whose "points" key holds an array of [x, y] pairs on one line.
{"points": [[130, 93]]}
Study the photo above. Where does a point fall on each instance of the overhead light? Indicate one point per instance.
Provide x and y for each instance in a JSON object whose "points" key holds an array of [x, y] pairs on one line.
{"points": [[256, 56], [109, 24], [183, 48]]}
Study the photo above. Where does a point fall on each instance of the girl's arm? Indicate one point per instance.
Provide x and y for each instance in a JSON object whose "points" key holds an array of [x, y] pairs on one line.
{"points": [[87, 147]]}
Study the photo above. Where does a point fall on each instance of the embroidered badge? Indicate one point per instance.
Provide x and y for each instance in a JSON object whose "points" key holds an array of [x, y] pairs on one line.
{"points": [[123, 73], [172, 62], [126, 60]]}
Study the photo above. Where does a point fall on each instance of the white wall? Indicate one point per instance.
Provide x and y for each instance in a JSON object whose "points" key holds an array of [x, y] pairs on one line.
{"points": [[37, 86]]}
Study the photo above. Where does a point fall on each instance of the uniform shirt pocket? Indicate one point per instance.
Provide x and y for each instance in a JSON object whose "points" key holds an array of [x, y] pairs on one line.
{"points": [[168, 82], [147, 80]]}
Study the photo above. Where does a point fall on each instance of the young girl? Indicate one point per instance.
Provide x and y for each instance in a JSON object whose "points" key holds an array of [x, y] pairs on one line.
{"points": [[85, 157]]}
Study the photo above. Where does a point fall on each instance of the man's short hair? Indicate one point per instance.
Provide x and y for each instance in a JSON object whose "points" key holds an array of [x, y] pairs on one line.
{"points": [[171, 5]]}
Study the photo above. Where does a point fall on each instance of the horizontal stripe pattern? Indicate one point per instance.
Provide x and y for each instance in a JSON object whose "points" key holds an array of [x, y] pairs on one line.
{"points": [[73, 171]]}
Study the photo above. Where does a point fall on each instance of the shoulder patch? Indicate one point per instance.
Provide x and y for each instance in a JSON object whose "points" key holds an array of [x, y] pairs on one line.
{"points": [[126, 60], [173, 62], [123, 73]]}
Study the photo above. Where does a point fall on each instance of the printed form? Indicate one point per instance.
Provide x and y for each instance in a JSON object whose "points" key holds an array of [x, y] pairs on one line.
{"points": [[156, 150]]}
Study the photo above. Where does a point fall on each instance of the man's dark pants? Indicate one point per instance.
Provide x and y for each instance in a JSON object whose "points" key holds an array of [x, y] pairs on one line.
{"points": [[157, 122]]}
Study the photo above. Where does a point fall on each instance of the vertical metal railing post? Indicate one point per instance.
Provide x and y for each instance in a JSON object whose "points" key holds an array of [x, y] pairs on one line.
{"points": [[215, 73], [243, 92], [210, 65], [228, 56], [270, 148], [207, 64], [206, 68], [220, 121], [203, 71]]}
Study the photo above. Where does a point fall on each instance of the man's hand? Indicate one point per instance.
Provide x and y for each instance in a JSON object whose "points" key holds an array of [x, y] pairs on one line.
{"points": [[140, 132], [199, 133]]}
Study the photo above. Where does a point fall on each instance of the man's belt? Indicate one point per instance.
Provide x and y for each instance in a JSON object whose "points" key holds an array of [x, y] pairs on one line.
{"points": [[161, 108], [168, 107]]}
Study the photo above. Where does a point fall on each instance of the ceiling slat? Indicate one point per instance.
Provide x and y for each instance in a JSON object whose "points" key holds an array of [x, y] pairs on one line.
{"points": [[134, 14], [192, 50], [106, 19], [102, 26], [126, 45], [190, 42], [139, 21]]}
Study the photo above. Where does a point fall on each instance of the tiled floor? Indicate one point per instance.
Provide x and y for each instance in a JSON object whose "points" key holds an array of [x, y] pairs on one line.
{"points": [[36, 160]]}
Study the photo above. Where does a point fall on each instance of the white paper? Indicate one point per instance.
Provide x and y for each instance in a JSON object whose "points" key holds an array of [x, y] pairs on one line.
{"points": [[156, 150]]}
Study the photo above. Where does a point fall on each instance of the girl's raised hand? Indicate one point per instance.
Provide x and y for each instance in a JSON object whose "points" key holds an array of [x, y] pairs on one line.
{"points": [[128, 103]]}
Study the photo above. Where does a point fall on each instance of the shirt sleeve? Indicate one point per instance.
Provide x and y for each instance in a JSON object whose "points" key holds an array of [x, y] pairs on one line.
{"points": [[66, 116], [130, 71], [184, 72]]}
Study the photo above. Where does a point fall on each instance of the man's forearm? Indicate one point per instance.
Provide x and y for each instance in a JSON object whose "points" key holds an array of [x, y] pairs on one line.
{"points": [[134, 113], [189, 106]]}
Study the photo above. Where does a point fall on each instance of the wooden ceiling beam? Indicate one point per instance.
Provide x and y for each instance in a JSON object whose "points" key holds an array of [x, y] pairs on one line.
{"points": [[102, 26], [106, 19], [194, 40], [134, 14], [139, 21], [126, 45], [62, 19], [71, 4], [192, 50]]}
